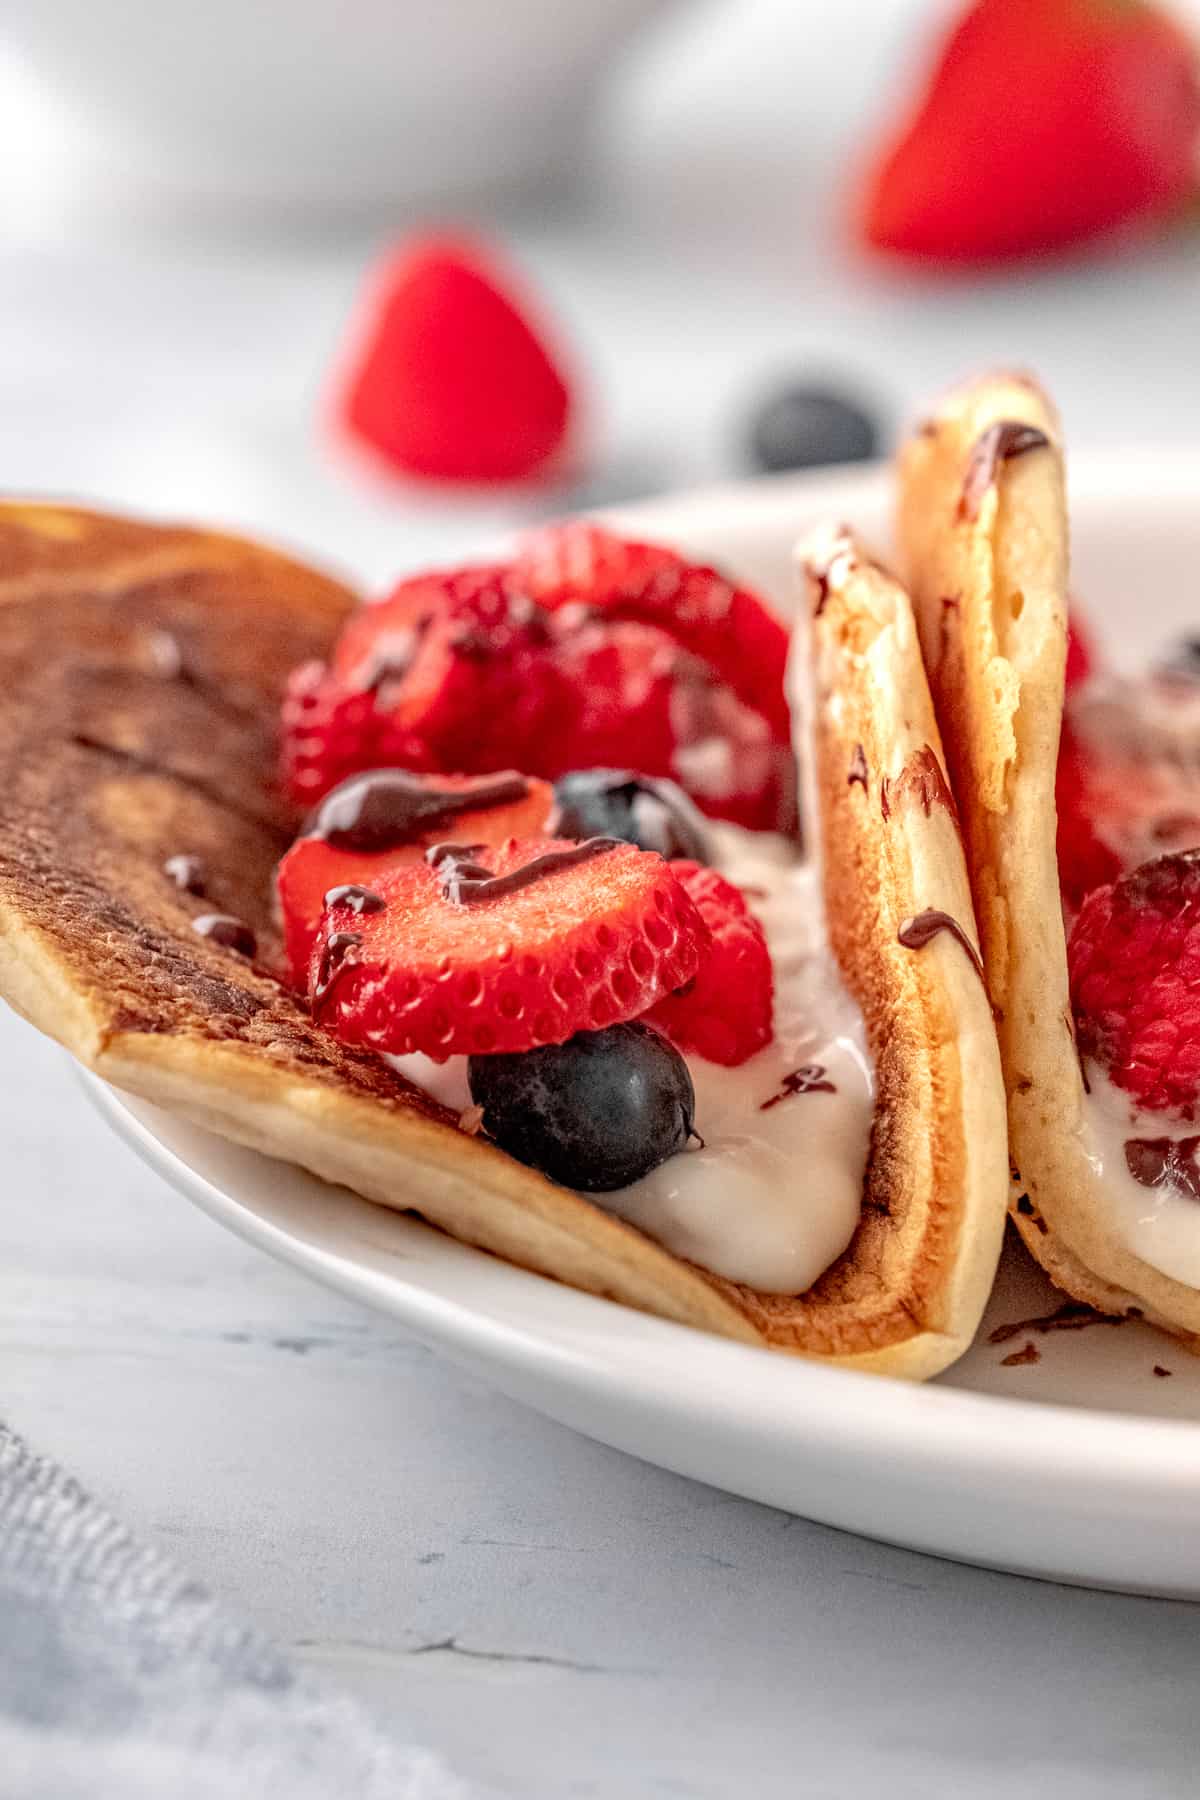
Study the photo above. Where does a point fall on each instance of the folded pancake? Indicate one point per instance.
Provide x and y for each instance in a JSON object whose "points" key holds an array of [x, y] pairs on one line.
{"points": [[983, 531], [142, 667]]}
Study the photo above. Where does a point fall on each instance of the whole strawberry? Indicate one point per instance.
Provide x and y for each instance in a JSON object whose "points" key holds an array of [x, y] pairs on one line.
{"points": [[1045, 123], [1134, 957], [451, 380]]}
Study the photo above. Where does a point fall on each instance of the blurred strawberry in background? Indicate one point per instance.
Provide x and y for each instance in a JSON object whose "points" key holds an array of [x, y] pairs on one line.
{"points": [[451, 379], [1046, 123]]}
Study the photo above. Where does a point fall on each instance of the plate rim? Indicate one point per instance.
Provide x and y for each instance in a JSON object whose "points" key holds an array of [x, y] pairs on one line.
{"points": [[889, 1415]]}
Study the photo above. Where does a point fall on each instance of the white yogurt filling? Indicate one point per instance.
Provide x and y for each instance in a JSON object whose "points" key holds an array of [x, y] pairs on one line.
{"points": [[1161, 1223], [773, 1198]]}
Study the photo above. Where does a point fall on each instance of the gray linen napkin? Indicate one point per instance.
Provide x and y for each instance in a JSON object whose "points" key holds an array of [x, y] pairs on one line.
{"points": [[120, 1676]]}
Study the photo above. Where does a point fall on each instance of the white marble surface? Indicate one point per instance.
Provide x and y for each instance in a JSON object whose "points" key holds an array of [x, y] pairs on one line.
{"points": [[553, 1616]]}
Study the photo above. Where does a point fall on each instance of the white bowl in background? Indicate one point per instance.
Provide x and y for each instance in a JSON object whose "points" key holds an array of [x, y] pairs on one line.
{"points": [[316, 109]]}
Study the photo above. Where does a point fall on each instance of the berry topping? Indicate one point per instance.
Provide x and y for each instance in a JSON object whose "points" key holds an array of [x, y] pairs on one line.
{"points": [[724, 1013], [1046, 122], [595, 1113], [446, 969], [470, 674], [383, 820], [803, 427], [330, 731], [581, 565], [651, 812], [1134, 957], [452, 380]]}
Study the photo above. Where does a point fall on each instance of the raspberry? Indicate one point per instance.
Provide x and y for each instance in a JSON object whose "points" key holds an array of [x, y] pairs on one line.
{"points": [[1134, 957], [724, 1013], [721, 623], [312, 867], [592, 942], [452, 381]]}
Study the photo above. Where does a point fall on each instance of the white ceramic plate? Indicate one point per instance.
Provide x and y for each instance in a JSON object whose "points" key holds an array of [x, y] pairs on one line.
{"points": [[1083, 1466]]}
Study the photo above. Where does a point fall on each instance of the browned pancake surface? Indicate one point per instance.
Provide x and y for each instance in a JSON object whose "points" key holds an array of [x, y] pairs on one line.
{"points": [[142, 670]]}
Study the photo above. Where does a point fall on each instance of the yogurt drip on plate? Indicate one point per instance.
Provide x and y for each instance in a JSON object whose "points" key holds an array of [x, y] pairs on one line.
{"points": [[1159, 1223], [774, 1196]]}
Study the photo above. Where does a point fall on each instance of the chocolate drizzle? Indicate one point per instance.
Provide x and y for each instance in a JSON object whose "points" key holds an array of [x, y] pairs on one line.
{"points": [[224, 929], [1165, 1163], [1072, 1315], [468, 883], [169, 661], [920, 930], [187, 872], [858, 768], [808, 1079], [387, 807], [359, 900], [922, 780], [1000, 443], [334, 952]]}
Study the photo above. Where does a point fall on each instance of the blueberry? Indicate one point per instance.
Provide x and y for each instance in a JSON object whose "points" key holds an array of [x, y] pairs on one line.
{"points": [[645, 810], [800, 427], [594, 1113], [1181, 661]]}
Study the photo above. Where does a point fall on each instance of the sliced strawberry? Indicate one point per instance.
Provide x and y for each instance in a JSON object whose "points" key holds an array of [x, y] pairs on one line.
{"points": [[452, 380], [579, 564], [725, 1012], [1045, 123], [591, 939], [329, 731], [313, 867]]}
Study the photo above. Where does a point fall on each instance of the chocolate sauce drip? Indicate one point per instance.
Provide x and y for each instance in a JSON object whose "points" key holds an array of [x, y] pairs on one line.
{"points": [[916, 932], [386, 807], [858, 768], [1000, 443], [1165, 1162], [334, 952], [359, 899], [437, 854], [169, 662], [468, 883], [809, 1079], [188, 874], [224, 929], [1072, 1315]]}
